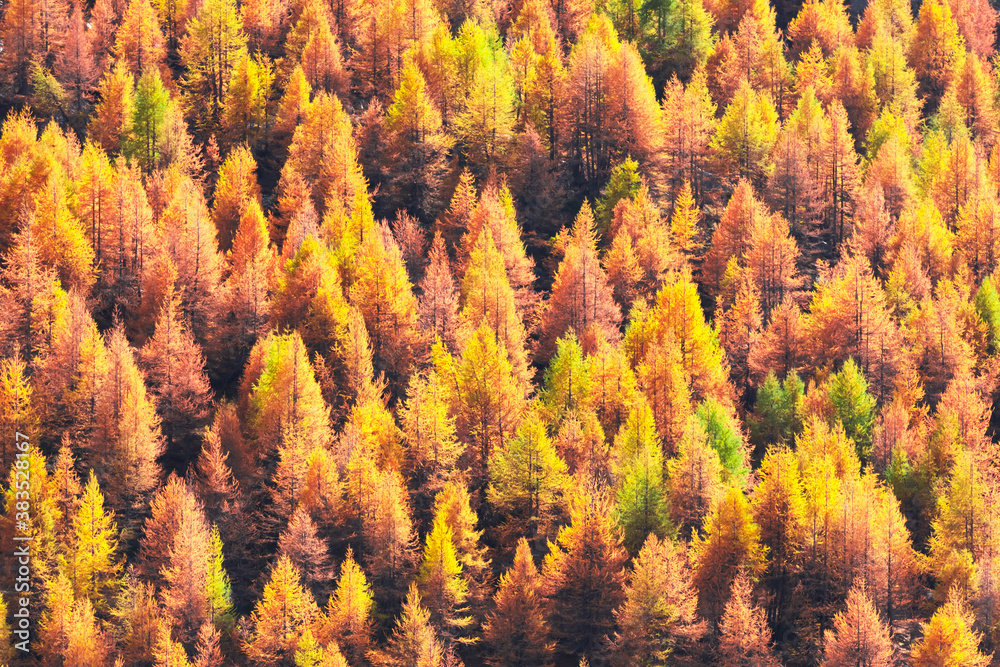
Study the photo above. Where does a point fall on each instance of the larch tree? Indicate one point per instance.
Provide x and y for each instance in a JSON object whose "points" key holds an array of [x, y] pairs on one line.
{"points": [[191, 593], [247, 106], [438, 301], [284, 611], [779, 509], [454, 505], [171, 506], [417, 148], [695, 477], [139, 41], [731, 543], [249, 283], [739, 332], [949, 638], [174, 366], [745, 638], [642, 507], [733, 236], [127, 420], [433, 448], [387, 534], [348, 620], [491, 399], [584, 579], [937, 50], [771, 260], [382, 292], [236, 187], [145, 142], [678, 312], [581, 298], [517, 630], [859, 636], [445, 591], [75, 67], [94, 567], [113, 114], [689, 122], [660, 608], [745, 135], [528, 481], [414, 640], [684, 223], [16, 413], [300, 543], [486, 126]]}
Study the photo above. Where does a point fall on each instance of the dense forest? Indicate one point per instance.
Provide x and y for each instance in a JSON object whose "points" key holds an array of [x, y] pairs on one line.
{"points": [[373, 333]]}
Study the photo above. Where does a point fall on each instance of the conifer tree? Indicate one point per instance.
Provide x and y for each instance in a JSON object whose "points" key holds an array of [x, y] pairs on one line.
{"points": [[168, 511], [94, 567], [66, 490], [584, 579], [732, 237], [127, 438], [779, 509], [745, 637], [859, 635], [236, 187], [660, 609], [417, 150], [949, 638], [432, 446], [414, 640], [300, 544], [386, 535], [517, 631], [16, 413], [731, 543], [489, 298], [642, 508], [284, 611], [175, 373], [853, 406], [139, 42], [746, 134], [695, 479], [186, 586], [348, 620], [490, 398], [486, 126], [528, 481], [75, 67], [684, 231], [438, 301], [214, 42], [581, 298], [445, 591]]}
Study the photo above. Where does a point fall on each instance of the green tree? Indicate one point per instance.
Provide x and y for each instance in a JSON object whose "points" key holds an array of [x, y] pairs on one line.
{"points": [[642, 507], [724, 434], [624, 183], [144, 142], [528, 481], [746, 134], [853, 406]]}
